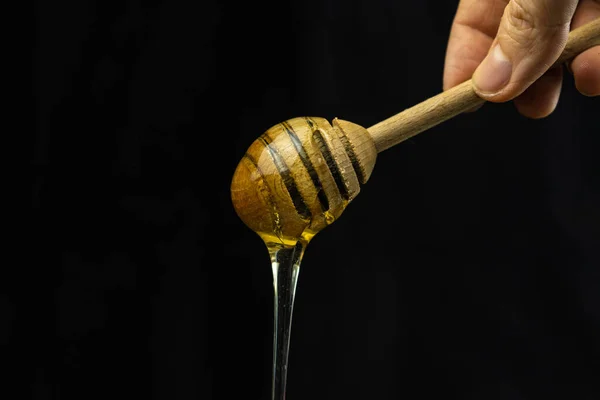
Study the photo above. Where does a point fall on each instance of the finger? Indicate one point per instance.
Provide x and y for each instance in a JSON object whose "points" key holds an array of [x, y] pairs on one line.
{"points": [[586, 66], [586, 69], [540, 99], [531, 36], [473, 30]]}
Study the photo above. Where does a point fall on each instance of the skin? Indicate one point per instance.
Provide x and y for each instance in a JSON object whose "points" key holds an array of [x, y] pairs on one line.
{"points": [[530, 35]]}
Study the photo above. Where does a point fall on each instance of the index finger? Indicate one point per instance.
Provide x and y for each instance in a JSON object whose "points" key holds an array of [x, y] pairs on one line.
{"points": [[473, 30]]}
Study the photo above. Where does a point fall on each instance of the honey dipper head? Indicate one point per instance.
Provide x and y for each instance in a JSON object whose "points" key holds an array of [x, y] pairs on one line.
{"points": [[299, 176]]}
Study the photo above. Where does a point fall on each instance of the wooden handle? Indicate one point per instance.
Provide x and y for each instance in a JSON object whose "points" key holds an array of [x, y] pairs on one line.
{"points": [[461, 98]]}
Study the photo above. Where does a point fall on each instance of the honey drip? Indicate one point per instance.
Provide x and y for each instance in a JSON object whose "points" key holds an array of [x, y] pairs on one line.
{"points": [[293, 181], [286, 266], [286, 257]]}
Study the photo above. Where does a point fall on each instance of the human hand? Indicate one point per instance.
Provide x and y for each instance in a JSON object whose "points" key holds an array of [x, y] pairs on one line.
{"points": [[508, 47]]}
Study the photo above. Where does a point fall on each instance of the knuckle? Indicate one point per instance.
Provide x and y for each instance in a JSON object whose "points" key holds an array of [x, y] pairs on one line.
{"points": [[528, 22], [538, 15], [520, 17]]}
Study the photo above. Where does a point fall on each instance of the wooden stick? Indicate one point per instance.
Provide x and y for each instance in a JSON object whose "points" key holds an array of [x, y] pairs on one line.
{"points": [[461, 98]]}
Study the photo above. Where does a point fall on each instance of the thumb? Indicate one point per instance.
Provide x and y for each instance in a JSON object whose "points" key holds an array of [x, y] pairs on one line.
{"points": [[531, 36]]}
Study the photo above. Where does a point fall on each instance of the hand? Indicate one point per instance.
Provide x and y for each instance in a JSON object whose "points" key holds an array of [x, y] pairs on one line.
{"points": [[507, 47]]}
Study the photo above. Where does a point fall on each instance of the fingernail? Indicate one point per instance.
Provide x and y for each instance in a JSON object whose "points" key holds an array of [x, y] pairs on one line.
{"points": [[494, 72]]}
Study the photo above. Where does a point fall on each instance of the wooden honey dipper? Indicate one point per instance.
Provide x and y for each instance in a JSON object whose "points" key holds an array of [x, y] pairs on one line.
{"points": [[299, 176]]}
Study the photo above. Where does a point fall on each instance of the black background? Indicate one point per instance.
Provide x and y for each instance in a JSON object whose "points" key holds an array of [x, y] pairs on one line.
{"points": [[468, 267]]}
